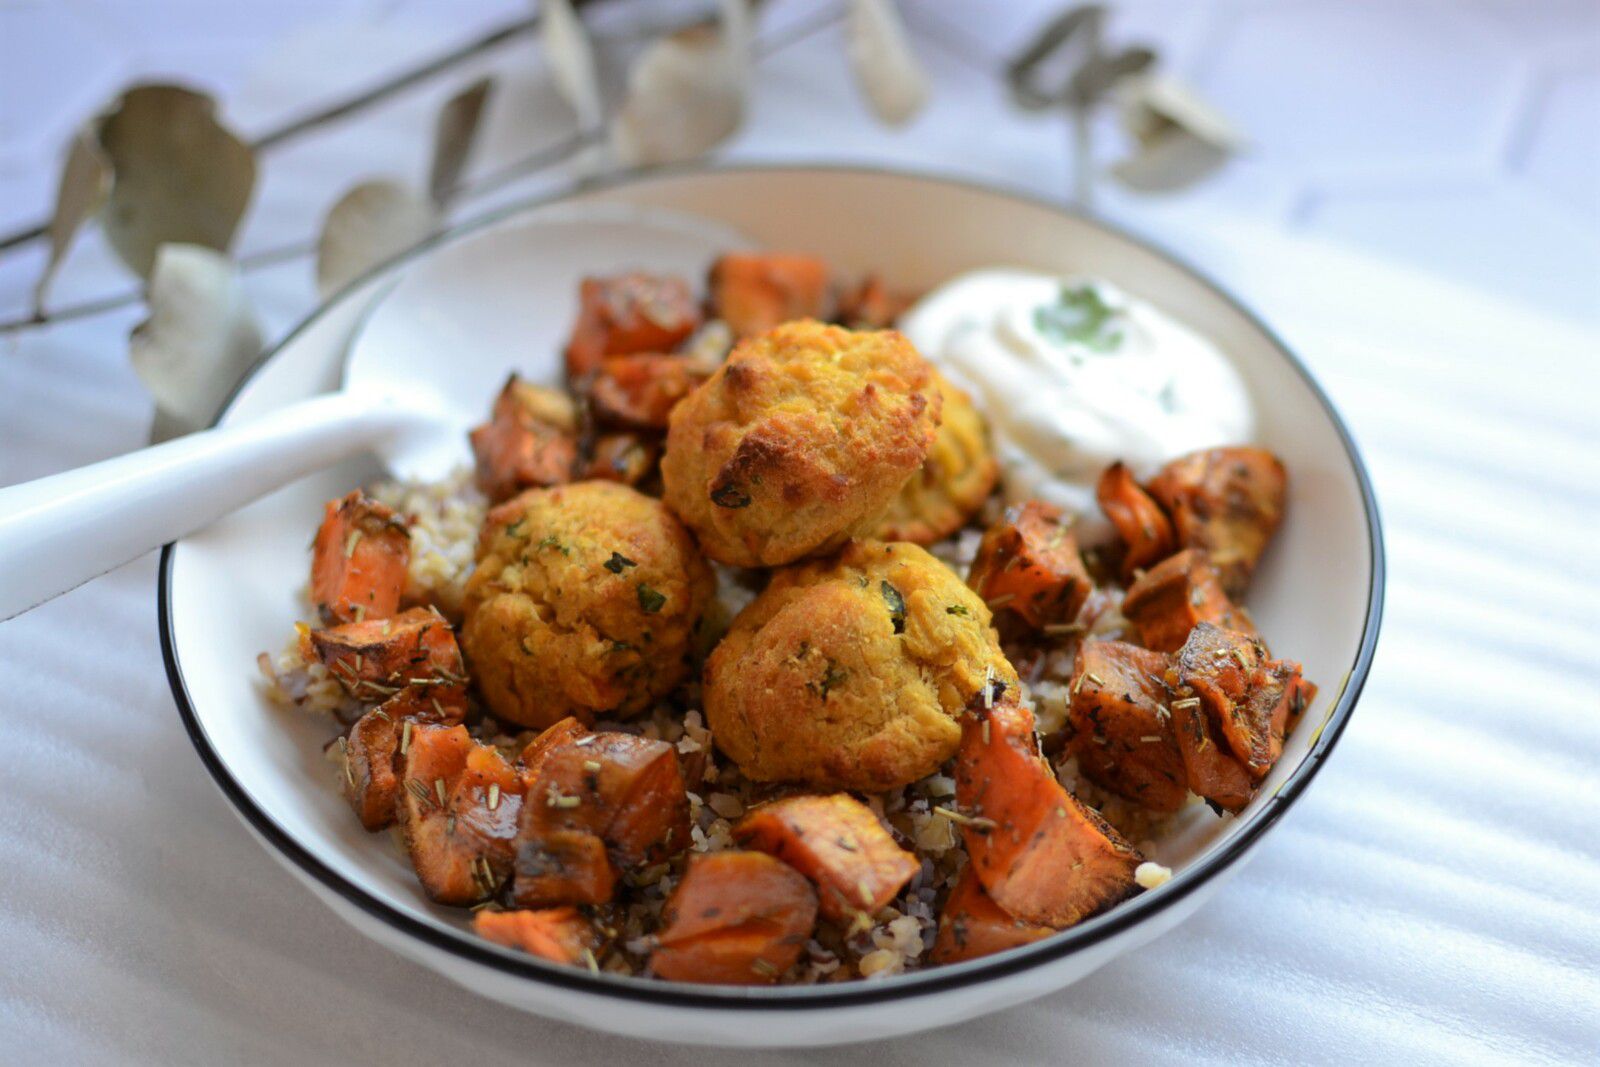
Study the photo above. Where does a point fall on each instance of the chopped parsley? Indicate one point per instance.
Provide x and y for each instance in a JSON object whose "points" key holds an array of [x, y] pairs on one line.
{"points": [[1081, 317], [833, 676], [650, 601], [552, 541], [957, 609], [618, 563], [897, 606]]}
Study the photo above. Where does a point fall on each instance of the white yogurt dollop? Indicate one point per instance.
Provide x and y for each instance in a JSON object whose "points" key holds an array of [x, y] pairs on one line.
{"points": [[1073, 375]]}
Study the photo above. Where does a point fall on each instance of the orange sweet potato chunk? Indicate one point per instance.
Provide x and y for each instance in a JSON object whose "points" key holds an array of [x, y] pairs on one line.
{"points": [[872, 305], [370, 781], [1028, 564], [753, 292], [550, 738], [359, 561], [597, 805], [530, 441], [1121, 731], [836, 842], [973, 925], [1168, 600], [629, 313], [736, 918], [1228, 501], [1044, 857], [458, 810], [1145, 530], [375, 659], [625, 457], [1229, 690], [639, 391], [561, 935]]}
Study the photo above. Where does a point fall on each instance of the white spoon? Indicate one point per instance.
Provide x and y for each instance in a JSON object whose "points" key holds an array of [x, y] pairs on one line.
{"points": [[420, 373]]}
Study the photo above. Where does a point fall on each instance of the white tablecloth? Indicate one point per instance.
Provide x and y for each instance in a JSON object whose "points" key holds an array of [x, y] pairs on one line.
{"points": [[1435, 896]]}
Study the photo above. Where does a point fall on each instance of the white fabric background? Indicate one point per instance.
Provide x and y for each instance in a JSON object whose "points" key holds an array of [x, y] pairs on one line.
{"points": [[1435, 897]]}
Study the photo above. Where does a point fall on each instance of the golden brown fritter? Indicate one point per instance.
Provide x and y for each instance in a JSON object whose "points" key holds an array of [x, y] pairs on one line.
{"points": [[956, 479], [799, 441], [852, 672], [584, 601]]}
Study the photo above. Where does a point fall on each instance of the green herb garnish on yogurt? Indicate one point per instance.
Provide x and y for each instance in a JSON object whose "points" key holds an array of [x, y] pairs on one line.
{"points": [[1080, 316]]}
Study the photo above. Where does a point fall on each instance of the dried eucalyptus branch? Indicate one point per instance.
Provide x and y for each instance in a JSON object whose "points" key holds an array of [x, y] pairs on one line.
{"points": [[549, 155], [351, 105]]}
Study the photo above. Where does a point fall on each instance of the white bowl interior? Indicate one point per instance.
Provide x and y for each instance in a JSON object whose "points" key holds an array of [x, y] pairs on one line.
{"points": [[235, 587]]}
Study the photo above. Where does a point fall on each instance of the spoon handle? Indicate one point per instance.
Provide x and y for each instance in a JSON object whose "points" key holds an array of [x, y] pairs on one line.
{"points": [[60, 531]]}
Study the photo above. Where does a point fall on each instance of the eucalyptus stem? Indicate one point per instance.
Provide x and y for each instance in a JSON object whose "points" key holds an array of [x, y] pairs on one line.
{"points": [[398, 83]]}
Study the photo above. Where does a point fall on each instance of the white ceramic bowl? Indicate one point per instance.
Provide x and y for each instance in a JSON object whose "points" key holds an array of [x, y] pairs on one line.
{"points": [[1318, 594]]}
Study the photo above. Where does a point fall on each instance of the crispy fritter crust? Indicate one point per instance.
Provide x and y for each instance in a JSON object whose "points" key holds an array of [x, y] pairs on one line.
{"points": [[799, 441], [584, 601], [852, 672], [955, 480]]}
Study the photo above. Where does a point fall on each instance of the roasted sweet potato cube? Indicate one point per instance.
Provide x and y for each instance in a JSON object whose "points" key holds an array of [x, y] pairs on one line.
{"points": [[753, 292], [1121, 730], [370, 782], [872, 305], [561, 935], [973, 925], [1144, 528], [736, 918], [561, 866], [607, 800], [1211, 769], [1228, 501], [375, 659], [1246, 695], [530, 441], [1044, 857], [639, 392], [360, 560], [1169, 599], [629, 313], [629, 791], [458, 807], [1231, 706], [629, 457], [1028, 565], [550, 738], [836, 842]]}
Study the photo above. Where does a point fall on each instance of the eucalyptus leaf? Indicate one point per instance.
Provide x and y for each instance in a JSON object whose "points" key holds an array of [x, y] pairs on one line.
{"points": [[455, 132], [85, 179], [371, 223], [178, 175], [885, 67], [1072, 37], [199, 339], [686, 92], [570, 53], [1178, 138], [1100, 74]]}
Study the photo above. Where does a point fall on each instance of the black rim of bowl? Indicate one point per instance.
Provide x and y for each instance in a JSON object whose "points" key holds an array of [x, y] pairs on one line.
{"points": [[474, 950]]}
